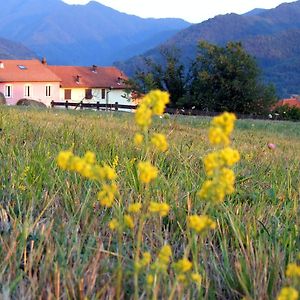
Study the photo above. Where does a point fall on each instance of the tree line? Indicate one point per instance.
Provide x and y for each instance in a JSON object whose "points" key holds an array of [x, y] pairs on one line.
{"points": [[218, 79]]}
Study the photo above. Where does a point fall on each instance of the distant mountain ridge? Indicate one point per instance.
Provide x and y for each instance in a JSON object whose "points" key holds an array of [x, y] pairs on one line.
{"points": [[272, 36], [12, 50], [82, 34]]}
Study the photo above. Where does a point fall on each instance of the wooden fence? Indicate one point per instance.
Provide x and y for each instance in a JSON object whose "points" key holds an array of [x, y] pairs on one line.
{"points": [[174, 111], [95, 105]]}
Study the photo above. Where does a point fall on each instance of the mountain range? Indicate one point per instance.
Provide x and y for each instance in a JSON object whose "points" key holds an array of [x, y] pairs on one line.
{"points": [[12, 50], [81, 34], [271, 36]]}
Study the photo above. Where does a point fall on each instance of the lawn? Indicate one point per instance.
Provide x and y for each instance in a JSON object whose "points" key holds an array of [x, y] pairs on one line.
{"points": [[55, 241]]}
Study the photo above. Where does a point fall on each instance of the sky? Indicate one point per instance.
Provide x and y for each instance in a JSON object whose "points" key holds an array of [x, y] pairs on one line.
{"points": [[194, 11]]}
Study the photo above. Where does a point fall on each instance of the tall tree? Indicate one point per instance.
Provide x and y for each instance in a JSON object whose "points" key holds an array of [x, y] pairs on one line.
{"points": [[228, 78], [169, 75]]}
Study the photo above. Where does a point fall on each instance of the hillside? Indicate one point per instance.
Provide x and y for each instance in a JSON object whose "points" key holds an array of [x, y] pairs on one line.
{"points": [[82, 34], [12, 50], [272, 36]]}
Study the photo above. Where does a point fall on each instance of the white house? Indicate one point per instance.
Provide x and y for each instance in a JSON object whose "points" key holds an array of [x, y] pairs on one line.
{"points": [[92, 84]]}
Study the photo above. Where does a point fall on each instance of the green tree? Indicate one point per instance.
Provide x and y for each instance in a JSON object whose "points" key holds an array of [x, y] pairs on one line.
{"points": [[169, 75], [228, 78]]}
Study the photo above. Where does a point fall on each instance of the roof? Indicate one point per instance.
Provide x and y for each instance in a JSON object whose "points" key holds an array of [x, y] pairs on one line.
{"points": [[89, 77], [290, 102], [26, 71]]}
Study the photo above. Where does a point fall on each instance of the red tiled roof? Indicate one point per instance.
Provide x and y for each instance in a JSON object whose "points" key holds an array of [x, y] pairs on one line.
{"points": [[89, 77], [289, 102], [26, 71]]}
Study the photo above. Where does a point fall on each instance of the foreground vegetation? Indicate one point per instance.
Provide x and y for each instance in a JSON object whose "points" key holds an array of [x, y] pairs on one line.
{"points": [[55, 235]]}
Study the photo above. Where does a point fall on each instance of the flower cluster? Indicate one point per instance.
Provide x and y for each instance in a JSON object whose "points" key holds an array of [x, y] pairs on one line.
{"points": [[88, 168], [163, 259], [161, 208], [153, 103], [147, 172], [183, 269], [293, 274], [200, 223], [218, 164]]}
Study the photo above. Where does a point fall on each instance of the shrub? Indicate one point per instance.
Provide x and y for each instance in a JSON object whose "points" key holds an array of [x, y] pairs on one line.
{"points": [[30, 102], [287, 112], [2, 99]]}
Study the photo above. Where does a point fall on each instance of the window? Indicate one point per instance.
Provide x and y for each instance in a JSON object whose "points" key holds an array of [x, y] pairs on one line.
{"points": [[21, 67], [48, 90], [27, 91], [8, 91], [88, 94], [103, 93], [68, 94]]}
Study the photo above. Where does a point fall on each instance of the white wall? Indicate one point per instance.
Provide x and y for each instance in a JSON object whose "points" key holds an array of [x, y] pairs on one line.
{"points": [[112, 96]]}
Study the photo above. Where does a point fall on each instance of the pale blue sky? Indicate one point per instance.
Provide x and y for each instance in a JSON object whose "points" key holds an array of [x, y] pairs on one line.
{"points": [[194, 11]]}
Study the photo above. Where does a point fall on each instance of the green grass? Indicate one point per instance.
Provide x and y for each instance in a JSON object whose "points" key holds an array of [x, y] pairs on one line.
{"points": [[56, 242]]}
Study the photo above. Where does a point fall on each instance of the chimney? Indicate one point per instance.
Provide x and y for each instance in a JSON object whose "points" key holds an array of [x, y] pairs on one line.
{"points": [[94, 68], [1, 65], [44, 61], [77, 79]]}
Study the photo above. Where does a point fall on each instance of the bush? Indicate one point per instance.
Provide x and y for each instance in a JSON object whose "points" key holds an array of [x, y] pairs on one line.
{"points": [[287, 112], [2, 99], [30, 102]]}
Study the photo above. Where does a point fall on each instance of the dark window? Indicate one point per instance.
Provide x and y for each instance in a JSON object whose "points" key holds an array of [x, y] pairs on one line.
{"points": [[48, 90], [88, 94], [103, 93], [68, 94]]}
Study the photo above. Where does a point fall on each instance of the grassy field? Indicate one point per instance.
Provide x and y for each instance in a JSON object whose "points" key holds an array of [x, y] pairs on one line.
{"points": [[55, 242]]}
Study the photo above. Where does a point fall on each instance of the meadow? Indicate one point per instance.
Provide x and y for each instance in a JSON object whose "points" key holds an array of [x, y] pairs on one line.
{"points": [[56, 242]]}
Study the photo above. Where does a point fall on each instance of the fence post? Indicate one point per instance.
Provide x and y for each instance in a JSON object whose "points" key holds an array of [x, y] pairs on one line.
{"points": [[81, 106], [98, 106], [66, 104], [52, 104], [116, 106]]}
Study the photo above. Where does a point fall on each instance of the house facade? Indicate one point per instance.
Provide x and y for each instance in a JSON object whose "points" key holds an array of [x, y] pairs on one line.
{"points": [[28, 79], [91, 84]]}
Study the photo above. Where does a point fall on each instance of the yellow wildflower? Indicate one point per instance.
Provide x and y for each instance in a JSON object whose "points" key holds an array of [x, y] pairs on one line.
{"points": [[128, 221], [150, 279], [90, 157], [134, 207], [217, 136], [230, 156], [165, 254], [288, 293], [293, 270], [181, 278], [138, 139], [113, 224], [143, 116], [76, 164], [87, 171], [63, 159], [153, 103], [160, 142], [159, 100], [146, 259], [161, 208], [212, 190], [225, 121], [106, 195], [115, 162], [183, 265], [200, 223], [147, 172], [196, 277], [211, 163], [109, 173]]}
